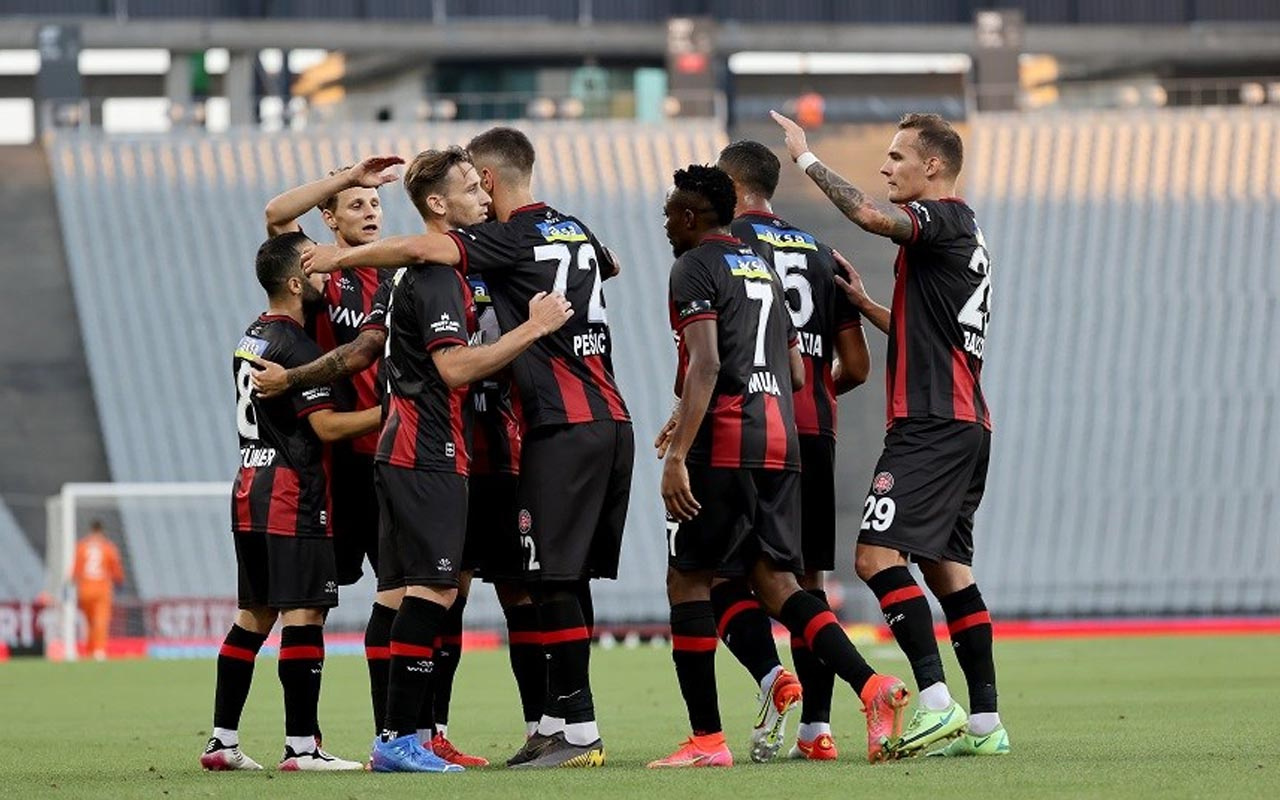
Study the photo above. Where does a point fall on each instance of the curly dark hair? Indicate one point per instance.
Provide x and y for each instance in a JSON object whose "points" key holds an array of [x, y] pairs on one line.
{"points": [[711, 184]]}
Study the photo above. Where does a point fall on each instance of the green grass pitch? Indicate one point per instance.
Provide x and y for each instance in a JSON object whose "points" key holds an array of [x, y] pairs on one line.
{"points": [[1112, 718]]}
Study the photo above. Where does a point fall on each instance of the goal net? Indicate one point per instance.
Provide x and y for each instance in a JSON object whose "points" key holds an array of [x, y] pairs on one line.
{"points": [[179, 564]]}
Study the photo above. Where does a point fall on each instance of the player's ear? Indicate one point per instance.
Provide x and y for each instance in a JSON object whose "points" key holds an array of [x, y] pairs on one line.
{"points": [[329, 221], [295, 284], [437, 204], [932, 166]]}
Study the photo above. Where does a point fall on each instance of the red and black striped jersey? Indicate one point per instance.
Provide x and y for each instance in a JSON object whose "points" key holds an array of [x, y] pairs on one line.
{"points": [[566, 377], [426, 425], [282, 486], [941, 307], [495, 431], [819, 310], [750, 422], [351, 307]]}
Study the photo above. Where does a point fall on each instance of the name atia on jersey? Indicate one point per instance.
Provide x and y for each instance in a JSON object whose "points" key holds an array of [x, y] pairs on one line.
{"points": [[764, 382], [253, 457], [810, 344], [591, 344]]}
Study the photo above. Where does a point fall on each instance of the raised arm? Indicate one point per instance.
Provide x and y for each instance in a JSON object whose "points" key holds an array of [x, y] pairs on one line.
{"points": [[397, 251], [271, 379], [883, 219], [284, 209]]}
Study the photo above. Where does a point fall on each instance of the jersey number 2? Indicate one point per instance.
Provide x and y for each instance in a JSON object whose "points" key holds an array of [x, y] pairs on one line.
{"points": [[587, 260]]}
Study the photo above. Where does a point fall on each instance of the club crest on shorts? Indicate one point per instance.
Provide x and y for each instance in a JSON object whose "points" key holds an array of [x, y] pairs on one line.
{"points": [[525, 520], [883, 483]]}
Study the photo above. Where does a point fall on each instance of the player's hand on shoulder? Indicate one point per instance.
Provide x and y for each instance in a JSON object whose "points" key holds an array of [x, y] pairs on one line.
{"points": [[851, 282], [549, 312], [269, 378], [375, 171], [797, 143], [676, 492], [320, 258]]}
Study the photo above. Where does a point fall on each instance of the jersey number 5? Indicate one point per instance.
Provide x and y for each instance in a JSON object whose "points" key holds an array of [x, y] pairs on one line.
{"points": [[793, 266], [587, 260]]}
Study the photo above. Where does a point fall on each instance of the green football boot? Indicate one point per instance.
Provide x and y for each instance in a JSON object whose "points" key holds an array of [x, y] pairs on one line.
{"points": [[928, 727], [995, 743]]}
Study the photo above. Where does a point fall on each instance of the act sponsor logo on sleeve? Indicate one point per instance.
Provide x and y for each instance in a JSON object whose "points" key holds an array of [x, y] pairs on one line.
{"points": [[525, 521], [446, 324], [694, 307], [251, 347]]}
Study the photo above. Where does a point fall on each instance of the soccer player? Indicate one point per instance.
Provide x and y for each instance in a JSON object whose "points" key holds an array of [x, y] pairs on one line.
{"points": [[931, 475], [578, 448], [280, 516], [493, 544], [348, 330], [730, 478], [423, 454], [836, 360], [96, 572]]}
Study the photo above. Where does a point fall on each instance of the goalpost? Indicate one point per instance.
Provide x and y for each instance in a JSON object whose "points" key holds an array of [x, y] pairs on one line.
{"points": [[134, 508]]}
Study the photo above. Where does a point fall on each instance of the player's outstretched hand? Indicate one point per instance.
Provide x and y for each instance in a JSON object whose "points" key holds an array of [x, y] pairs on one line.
{"points": [[320, 258], [664, 436], [374, 171], [676, 493], [269, 379], [549, 312], [797, 142], [850, 282]]}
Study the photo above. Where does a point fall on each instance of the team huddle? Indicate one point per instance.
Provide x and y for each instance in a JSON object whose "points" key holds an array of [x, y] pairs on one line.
{"points": [[444, 406]]}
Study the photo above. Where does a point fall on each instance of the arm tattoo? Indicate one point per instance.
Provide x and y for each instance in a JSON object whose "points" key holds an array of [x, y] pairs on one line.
{"points": [[888, 221], [321, 371], [847, 197]]}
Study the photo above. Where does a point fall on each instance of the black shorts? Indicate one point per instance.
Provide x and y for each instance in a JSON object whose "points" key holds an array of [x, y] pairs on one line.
{"points": [[575, 484], [493, 546], [746, 514], [423, 527], [927, 486], [818, 498], [355, 513], [285, 572]]}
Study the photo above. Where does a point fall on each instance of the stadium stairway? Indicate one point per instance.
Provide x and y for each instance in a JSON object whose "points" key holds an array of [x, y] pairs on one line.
{"points": [[51, 433]]}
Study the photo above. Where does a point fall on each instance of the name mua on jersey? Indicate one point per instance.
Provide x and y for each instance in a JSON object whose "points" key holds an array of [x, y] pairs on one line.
{"points": [[765, 382]]}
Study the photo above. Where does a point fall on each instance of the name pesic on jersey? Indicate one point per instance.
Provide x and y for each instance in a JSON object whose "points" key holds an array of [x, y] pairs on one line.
{"points": [[941, 308], [819, 310], [281, 487], [750, 422], [566, 377]]}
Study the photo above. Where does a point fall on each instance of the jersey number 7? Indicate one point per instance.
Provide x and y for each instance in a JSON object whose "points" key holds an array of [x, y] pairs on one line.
{"points": [[587, 260]]}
